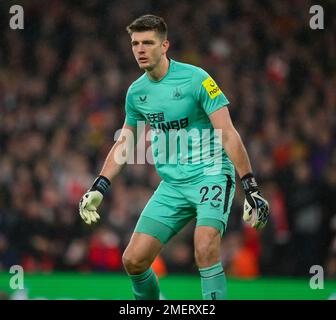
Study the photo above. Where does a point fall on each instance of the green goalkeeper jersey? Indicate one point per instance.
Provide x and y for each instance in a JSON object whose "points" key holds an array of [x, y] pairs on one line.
{"points": [[185, 146]]}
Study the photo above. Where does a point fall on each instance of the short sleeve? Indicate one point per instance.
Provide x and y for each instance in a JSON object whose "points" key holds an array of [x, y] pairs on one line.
{"points": [[132, 115], [207, 92]]}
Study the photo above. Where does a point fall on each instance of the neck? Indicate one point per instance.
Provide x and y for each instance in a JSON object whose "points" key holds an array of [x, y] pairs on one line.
{"points": [[160, 70]]}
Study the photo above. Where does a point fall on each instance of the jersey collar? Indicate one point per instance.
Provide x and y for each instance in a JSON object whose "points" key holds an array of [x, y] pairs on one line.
{"points": [[171, 63]]}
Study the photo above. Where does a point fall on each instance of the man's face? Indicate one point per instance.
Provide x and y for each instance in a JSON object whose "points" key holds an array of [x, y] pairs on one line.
{"points": [[148, 49]]}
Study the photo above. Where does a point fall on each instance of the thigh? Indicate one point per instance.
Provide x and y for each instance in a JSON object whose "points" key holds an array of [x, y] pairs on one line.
{"points": [[213, 199], [166, 213]]}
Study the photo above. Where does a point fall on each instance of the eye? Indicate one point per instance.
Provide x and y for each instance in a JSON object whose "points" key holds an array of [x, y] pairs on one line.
{"points": [[148, 42]]}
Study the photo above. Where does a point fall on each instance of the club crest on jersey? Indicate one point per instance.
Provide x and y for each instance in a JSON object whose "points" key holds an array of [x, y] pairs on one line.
{"points": [[211, 87], [177, 94]]}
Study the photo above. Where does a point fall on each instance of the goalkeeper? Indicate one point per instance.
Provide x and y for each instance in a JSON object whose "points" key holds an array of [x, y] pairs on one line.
{"points": [[172, 97]]}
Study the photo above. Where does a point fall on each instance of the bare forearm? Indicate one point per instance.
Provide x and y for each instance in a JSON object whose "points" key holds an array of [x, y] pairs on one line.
{"points": [[117, 156], [119, 153], [236, 151], [111, 166]]}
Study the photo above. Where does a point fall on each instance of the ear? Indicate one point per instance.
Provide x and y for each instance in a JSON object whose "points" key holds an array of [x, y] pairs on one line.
{"points": [[165, 46]]}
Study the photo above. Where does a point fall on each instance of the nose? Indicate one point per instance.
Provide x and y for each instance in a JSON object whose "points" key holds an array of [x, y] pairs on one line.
{"points": [[141, 48]]}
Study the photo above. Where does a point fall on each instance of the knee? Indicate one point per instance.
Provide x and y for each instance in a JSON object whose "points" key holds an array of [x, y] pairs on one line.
{"points": [[134, 264], [206, 254]]}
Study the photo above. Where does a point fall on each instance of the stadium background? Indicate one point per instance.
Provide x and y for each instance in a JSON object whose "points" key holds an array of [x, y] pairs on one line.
{"points": [[63, 81]]}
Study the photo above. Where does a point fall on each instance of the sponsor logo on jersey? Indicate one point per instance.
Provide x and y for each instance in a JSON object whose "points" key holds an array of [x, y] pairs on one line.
{"points": [[170, 125], [211, 87], [158, 123], [155, 117]]}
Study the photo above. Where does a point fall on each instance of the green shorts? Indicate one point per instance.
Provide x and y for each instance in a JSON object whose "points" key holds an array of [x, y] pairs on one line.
{"points": [[172, 206]]}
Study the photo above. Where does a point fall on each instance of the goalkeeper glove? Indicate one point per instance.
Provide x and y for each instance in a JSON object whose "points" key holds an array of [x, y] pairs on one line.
{"points": [[91, 200], [256, 208]]}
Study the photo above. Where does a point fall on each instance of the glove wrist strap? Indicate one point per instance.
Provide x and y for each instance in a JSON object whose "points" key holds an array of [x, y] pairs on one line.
{"points": [[249, 183], [101, 184]]}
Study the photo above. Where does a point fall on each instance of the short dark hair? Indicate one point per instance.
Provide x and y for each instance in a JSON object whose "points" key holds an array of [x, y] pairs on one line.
{"points": [[149, 22]]}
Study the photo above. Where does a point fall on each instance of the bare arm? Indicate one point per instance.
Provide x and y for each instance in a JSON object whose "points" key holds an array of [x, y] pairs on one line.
{"points": [[231, 140], [256, 208], [119, 152], [116, 158]]}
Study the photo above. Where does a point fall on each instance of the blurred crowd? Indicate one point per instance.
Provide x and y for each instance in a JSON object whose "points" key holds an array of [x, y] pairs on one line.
{"points": [[63, 81]]}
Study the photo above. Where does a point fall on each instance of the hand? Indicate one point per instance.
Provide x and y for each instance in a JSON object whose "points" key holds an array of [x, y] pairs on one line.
{"points": [[256, 208], [88, 206], [91, 200]]}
